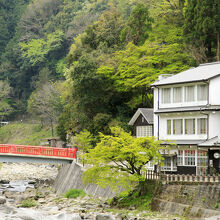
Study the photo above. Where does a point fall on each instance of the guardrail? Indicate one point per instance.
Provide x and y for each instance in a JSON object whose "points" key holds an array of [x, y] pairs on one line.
{"points": [[38, 150], [167, 178]]}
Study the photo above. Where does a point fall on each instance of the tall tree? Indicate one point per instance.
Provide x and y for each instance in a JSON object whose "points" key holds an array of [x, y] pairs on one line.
{"points": [[202, 29], [138, 26], [45, 103]]}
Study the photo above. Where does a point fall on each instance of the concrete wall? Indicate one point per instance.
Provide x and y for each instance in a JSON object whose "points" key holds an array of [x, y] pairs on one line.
{"points": [[70, 177], [195, 200]]}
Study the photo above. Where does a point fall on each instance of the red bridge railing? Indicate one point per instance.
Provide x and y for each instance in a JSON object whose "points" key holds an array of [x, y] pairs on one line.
{"points": [[38, 150]]}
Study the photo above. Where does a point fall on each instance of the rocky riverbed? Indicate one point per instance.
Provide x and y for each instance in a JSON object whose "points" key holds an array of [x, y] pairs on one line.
{"points": [[32, 183]]}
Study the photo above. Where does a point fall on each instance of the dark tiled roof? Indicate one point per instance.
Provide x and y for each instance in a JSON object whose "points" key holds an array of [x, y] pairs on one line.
{"points": [[148, 114]]}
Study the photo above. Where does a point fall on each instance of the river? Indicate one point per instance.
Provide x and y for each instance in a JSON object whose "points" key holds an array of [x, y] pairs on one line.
{"points": [[19, 182]]}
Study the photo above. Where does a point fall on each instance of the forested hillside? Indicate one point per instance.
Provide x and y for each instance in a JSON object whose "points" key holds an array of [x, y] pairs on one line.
{"points": [[88, 64]]}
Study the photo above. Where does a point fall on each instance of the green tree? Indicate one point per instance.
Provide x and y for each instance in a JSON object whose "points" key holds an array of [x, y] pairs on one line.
{"points": [[202, 28], [138, 26], [119, 159], [5, 93], [137, 67], [37, 50], [84, 140]]}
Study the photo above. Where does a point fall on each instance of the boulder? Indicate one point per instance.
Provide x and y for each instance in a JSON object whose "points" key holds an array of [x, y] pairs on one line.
{"points": [[67, 216], [105, 217], [2, 200]]}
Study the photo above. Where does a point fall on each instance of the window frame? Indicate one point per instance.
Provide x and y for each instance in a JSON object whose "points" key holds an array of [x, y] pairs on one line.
{"points": [[181, 88], [186, 93], [199, 132], [185, 126], [202, 98], [174, 129], [163, 96]]}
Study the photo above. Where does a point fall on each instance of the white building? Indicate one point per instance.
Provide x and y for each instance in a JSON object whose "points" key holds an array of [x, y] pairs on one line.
{"points": [[187, 113]]}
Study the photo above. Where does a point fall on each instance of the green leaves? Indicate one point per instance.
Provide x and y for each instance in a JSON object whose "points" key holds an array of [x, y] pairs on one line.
{"points": [[138, 26], [138, 67], [202, 29], [37, 50], [119, 157]]}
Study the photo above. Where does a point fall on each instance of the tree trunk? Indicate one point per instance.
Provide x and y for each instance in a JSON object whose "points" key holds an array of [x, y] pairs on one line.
{"points": [[51, 121], [218, 48]]}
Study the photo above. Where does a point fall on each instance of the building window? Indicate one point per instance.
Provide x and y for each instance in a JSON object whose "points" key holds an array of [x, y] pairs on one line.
{"points": [[166, 95], [202, 162], [186, 157], [167, 163], [189, 93], [201, 126], [177, 94], [142, 119], [168, 127], [180, 158], [189, 126], [190, 157], [144, 131], [202, 92], [177, 126]]}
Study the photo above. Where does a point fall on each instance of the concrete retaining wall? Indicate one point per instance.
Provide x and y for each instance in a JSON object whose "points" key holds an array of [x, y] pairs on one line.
{"points": [[195, 200], [70, 177]]}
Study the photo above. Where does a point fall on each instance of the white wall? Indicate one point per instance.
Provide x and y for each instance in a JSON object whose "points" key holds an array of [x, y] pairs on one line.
{"points": [[214, 91], [156, 92], [155, 109], [214, 124]]}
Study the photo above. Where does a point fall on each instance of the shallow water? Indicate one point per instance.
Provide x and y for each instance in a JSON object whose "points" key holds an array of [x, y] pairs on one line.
{"points": [[16, 186]]}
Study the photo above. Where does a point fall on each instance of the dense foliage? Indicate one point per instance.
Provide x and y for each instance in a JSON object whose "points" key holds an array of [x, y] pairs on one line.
{"points": [[88, 64], [119, 159]]}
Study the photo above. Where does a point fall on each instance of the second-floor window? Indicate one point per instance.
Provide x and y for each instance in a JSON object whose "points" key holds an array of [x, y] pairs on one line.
{"points": [[166, 95], [202, 92], [184, 94], [177, 94], [190, 93]]}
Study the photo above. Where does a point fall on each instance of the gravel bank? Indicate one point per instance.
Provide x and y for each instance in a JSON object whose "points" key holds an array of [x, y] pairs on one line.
{"points": [[27, 171]]}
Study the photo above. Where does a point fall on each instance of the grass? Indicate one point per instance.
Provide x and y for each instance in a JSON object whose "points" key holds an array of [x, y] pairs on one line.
{"points": [[216, 206], [23, 133], [74, 193], [27, 203], [135, 201], [138, 199]]}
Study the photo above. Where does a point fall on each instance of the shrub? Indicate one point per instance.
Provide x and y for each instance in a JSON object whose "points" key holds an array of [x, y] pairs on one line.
{"points": [[74, 193], [28, 203]]}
